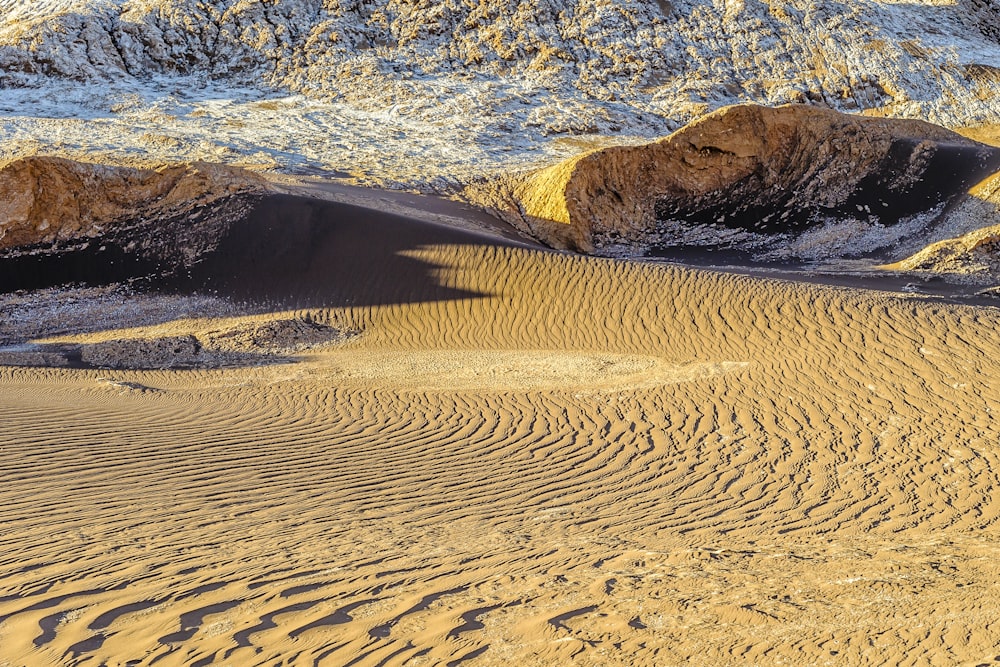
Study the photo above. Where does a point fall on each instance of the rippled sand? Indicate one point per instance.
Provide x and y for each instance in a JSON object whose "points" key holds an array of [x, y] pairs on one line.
{"points": [[550, 459]]}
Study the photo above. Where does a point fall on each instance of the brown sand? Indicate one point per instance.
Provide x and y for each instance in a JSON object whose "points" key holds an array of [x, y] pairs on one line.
{"points": [[554, 460]]}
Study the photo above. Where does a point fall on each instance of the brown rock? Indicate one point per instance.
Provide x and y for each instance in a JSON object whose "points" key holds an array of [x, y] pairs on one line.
{"points": [[745, 167], [48, 199], [974, 256]]}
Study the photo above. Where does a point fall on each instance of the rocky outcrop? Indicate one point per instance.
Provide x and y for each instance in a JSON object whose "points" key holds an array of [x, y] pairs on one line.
{"points": [[972, 256], [584, 65], [758, 169], [277, 335], [262, 342], [46, 200], [143, 353]]}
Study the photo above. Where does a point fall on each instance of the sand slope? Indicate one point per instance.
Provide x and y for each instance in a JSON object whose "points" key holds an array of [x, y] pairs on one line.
{"points": [[557, 460]]}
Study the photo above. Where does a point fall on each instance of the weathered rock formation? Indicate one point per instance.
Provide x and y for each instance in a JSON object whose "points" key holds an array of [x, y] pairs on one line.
{"points": [[46, 200], [502, 77], [758, 169], [972, 256], [278, 335], [62, 220]]}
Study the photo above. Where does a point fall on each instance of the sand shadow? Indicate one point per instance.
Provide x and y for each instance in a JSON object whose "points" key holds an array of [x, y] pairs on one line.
{"points": [[295, 252], [286, 252]]}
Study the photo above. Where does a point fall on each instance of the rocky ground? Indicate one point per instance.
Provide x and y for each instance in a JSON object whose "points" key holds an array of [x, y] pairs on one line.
{"points": [[757, 177], [424, 95]]}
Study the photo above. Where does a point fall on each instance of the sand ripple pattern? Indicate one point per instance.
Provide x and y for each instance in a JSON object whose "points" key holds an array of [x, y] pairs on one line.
{"points": [[777, 473]]}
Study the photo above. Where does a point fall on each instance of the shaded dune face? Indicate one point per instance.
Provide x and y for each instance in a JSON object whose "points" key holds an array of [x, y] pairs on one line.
{"points": [[752, 168], [297, 252], [208, 228], [275, 251]]}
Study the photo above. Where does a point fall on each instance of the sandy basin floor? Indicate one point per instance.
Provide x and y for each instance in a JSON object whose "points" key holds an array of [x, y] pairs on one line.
{"points": [[581, 461]]}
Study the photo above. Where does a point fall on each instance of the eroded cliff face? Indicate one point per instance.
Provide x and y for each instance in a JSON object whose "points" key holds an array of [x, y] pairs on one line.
{"points": [[502, 78], [747, 168], [48, 200], [655, 53]]}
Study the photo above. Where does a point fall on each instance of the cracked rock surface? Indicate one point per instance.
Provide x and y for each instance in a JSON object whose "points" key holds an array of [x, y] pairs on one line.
{"points": [[385, 90]]}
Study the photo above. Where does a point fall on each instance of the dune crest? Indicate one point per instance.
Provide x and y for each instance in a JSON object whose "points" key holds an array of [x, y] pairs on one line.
{"points": [[745, 167]]}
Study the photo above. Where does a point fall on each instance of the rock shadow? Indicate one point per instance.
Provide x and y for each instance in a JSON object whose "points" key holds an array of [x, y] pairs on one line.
{"points": [[279, 252]]}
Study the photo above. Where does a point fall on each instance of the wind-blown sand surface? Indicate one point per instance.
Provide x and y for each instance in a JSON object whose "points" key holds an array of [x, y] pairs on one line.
{"points": [[510, 456]]}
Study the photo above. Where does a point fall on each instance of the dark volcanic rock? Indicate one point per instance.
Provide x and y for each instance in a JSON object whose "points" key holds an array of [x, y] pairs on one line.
{"points": [[143, 353]]}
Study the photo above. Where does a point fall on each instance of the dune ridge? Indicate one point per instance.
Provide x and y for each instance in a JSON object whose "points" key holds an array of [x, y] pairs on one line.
{"points": [[828, 497]]}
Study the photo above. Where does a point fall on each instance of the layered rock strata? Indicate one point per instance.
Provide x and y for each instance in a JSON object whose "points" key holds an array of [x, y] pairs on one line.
{"points": [[581, 63]]}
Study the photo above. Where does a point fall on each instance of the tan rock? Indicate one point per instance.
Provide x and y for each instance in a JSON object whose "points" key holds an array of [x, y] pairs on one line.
{"points": [[973, 256], [47, 199]]}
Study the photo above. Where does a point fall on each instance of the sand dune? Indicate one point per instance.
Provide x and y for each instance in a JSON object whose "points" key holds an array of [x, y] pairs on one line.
{"points": [[287, 423], [524, 456]]}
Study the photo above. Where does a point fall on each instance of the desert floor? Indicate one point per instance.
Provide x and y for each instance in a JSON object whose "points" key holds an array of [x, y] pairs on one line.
{"points": [[503, 455]]}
